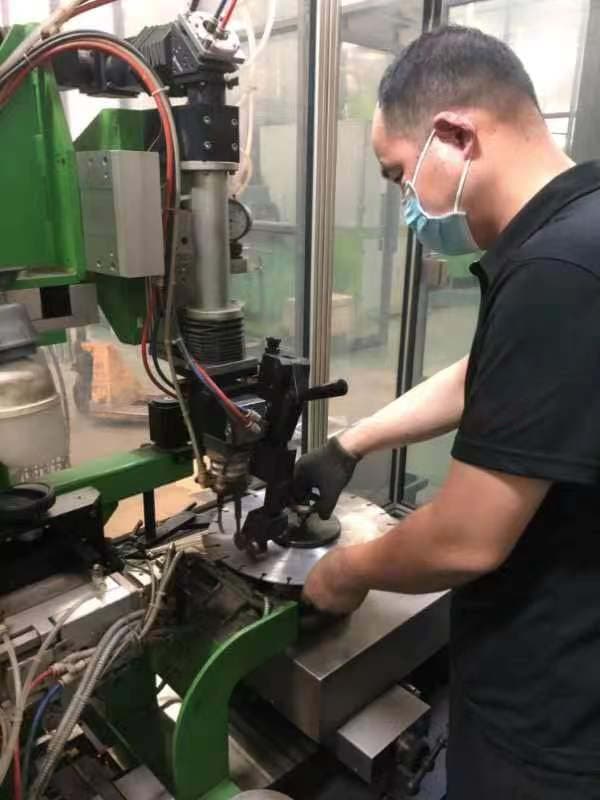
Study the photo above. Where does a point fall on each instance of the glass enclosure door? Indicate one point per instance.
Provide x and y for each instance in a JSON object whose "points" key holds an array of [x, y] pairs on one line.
{"points": [[370, 236], [551, 38]]}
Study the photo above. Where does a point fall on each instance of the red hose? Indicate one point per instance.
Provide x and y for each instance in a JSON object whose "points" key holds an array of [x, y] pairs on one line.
{"points": [[41, 678], [227, 16]]}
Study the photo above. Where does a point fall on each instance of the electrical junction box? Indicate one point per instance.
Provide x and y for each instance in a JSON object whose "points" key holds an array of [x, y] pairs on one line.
{"points": [[122, 213]]}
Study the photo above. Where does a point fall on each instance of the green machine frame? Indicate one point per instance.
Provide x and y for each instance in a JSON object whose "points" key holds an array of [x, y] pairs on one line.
{"points": [[191, 756], [43, 247]]}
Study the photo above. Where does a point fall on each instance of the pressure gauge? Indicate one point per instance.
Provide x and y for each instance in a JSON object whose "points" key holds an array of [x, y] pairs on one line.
{"points": [[240, 220]]}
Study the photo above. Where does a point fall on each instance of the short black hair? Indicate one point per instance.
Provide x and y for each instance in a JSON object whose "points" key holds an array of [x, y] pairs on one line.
{"points": [[453, 66]]}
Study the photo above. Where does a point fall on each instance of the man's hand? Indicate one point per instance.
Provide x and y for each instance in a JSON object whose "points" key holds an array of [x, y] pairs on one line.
{"points": [[328, 589], [328, 470]]}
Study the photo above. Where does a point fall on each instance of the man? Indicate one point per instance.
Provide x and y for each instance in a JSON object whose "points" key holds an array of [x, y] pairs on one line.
{"points": [[515, 529]]}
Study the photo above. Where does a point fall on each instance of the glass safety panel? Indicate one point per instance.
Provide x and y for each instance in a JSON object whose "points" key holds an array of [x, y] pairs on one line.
{"points": [[370, 236]]}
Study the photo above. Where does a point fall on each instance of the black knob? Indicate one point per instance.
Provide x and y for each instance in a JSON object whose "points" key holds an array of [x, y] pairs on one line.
{"points": [[335, 389], [273, 345]]}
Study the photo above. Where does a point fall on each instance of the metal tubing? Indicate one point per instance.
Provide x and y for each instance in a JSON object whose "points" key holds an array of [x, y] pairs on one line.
{"points": [[212, 268], [326, 128]]}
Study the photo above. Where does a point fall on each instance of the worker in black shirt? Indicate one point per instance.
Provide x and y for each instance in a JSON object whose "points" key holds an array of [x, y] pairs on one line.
{"points": [[515, 529]]}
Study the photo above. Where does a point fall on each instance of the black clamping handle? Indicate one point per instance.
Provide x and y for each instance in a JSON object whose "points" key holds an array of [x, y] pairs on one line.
{"points": [[335, 389]]}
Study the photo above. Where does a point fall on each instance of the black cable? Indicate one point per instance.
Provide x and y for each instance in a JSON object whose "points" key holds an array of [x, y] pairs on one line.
{"points": [[220, 9], [62, 38], [154, 349]]}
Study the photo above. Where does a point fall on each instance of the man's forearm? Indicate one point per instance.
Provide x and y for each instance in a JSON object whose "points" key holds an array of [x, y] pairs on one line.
{"points": [[430, 409], [468, 529], [407, 560]]}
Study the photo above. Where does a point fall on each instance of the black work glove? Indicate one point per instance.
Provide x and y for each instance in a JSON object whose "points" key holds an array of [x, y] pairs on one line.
{"points": [[328, 470]]}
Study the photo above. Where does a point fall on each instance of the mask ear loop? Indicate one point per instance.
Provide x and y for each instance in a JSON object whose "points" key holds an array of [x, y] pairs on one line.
{"points": [[420, 160], [461, 185]]}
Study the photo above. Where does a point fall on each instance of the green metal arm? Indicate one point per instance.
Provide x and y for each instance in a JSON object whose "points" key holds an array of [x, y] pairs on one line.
{"points": [[126, 474], [200, 744], [193, 758]]}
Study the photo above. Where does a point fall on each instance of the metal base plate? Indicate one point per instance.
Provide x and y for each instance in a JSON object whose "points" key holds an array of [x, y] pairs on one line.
{"points": [[287, 566]]}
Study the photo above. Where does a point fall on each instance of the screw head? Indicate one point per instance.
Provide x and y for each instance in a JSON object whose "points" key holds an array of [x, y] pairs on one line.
{"points": [[207, 120], [208, 145]]}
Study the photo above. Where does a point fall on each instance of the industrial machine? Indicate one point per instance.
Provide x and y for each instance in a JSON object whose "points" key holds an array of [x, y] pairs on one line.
{"points": [[204, 605]]}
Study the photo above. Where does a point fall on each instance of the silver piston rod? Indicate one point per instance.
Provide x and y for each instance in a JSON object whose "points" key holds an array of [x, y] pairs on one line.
{"points": [[212, 268], [212, 324]]}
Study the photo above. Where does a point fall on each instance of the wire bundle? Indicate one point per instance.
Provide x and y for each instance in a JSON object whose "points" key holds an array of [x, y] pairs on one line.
{"points": [[11, 728], [91, 664]]}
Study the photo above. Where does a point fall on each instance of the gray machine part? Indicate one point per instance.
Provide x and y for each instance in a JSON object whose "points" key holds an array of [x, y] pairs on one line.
{"points": [[31, 612], [211, 324], [122, 216], [225, 49], [83, 304], [210, 235], [141, 784], [328, 677], [365, 740]]}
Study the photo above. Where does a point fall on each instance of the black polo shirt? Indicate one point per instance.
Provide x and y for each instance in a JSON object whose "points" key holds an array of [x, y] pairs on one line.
{"points": [[526, 638]]}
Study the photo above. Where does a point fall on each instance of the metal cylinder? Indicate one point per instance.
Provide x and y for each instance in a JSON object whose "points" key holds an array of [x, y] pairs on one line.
{"points": [[33, 435], [210, 221]]}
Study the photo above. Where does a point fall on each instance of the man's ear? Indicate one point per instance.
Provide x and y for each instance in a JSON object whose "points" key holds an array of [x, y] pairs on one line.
{"points": [[456, 130]]}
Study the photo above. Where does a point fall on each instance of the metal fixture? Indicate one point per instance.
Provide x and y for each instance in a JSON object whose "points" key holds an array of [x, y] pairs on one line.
{"points": [[57, 308], [326, 127], [120, 197]]}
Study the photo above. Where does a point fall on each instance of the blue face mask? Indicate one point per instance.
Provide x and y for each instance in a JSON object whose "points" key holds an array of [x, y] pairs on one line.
{"points": [[448, 234]]}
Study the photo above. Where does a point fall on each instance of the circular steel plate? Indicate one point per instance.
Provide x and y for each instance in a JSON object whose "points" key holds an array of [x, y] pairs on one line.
{"points": [[282, 566]]}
